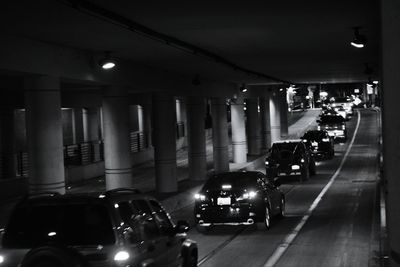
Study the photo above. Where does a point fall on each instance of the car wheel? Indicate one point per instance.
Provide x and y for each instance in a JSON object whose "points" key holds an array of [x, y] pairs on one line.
{"points": [[305, 174], [203, 228], [190, 260], [49, 256], [313, 168], [282, 208], [267, 218]]}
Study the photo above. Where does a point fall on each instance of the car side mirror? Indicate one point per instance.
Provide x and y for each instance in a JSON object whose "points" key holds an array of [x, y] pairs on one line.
{"points": [[181, 227]]}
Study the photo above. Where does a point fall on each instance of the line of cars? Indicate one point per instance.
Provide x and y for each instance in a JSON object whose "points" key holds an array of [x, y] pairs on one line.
{"points": [[117, 228], [254, 197]]}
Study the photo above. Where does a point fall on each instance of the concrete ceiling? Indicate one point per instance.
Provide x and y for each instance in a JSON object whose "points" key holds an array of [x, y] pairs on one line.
{"points": [[296, 41]]}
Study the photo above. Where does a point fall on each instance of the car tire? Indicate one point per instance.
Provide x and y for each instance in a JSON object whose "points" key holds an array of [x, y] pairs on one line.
{"points": [[266, 222], [50, 256], [203, 229], [313, 168], [282, 208], [305, 174], [190, 260]]}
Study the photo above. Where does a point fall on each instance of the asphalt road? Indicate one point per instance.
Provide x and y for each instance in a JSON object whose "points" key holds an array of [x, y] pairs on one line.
{"points": [[330, 219]]}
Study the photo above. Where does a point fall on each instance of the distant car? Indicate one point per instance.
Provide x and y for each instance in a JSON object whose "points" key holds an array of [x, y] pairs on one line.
{"points": [[291, 157], [345, 102], [342, 112], [320, 144], [334, 125], [238, 198], [116, 228]]}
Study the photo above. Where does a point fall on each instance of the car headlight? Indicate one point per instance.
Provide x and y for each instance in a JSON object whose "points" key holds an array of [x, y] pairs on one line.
{"points": [[295, 167], [266, 162], [199, 197], [121, 256], [1, 259], [249, 195], [343, 127], [319, 128], [302, 160], [325, 139]]}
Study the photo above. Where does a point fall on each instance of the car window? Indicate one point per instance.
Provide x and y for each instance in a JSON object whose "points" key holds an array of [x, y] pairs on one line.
{"points": [[67, 224], [161, 218]]}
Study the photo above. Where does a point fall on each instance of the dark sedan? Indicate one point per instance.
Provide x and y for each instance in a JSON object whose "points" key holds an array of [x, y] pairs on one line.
{"points": [[320, 144], [290, 158], [238, 198], [334, 125]]}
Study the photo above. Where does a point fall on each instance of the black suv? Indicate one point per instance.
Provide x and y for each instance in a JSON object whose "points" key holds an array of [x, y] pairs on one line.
{"points": [[238, 198], [290, 157], [320, 144], [116, 228], [334, 125]]}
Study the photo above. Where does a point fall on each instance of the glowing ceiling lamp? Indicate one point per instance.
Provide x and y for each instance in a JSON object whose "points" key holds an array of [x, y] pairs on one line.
{"points": [[107, 62], [359, 40]]}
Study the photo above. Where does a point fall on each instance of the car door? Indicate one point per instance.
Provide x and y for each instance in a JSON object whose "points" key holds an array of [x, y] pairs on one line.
{"points": [[169, 241], [273, 194]]}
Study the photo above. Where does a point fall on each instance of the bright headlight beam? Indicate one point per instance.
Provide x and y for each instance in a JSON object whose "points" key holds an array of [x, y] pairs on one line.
{"points": [[121, 256]]}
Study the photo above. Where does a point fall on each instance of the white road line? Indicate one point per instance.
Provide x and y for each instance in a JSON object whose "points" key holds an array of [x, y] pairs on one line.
{"points": [[281, 249]]}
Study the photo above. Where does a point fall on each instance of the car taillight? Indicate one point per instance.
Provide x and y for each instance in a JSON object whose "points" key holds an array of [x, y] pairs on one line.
{"points": [[343, 127]]}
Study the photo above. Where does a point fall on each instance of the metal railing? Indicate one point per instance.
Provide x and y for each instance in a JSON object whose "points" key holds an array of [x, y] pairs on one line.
{"points": [[180, 129], [138, 141], [83, 153]]}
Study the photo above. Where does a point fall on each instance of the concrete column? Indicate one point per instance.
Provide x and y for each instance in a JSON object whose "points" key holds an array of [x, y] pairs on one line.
{"points": [[90, 120], [44, 134], [164, 134], [253, 126], [7, 142], [275, 117], [77, 125], [239, 142], [284, 113], [220, 134], [91, 124], [116, 138], [390, 27], [196, 112], [265, 123]]}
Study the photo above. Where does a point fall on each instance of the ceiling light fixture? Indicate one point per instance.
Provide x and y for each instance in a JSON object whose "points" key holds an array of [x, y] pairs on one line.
{"points": [[107, 62], [359, 40], [243, 88]]}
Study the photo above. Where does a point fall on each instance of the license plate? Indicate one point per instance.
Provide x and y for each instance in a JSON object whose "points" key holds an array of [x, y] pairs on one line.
{"points": [[314, 143], [223, 201]]}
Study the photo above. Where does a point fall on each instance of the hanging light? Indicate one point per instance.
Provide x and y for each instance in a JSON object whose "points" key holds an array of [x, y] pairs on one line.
{"points": [[107, 62], [243, 88], [359, 40]]}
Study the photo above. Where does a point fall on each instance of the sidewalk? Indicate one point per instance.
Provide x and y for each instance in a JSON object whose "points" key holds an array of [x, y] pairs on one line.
{"points": [[144, 174]]}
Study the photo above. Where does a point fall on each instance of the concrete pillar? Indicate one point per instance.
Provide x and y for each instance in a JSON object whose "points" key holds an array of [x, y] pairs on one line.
{"points": [[116, 138], [220, 135], [77, 125], [7, 142], [265, 123], [90, 121], [284, 113], [44, 134], [164, 134], [196, 112], [253, 126], [91, 124], [239, 142], [390, 27], [275, 117]]}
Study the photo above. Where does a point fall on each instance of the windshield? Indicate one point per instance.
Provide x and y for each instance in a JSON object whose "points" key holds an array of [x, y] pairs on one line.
{"points": [[314, 135], [236, 180], [67, 224], [331, 119]]}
